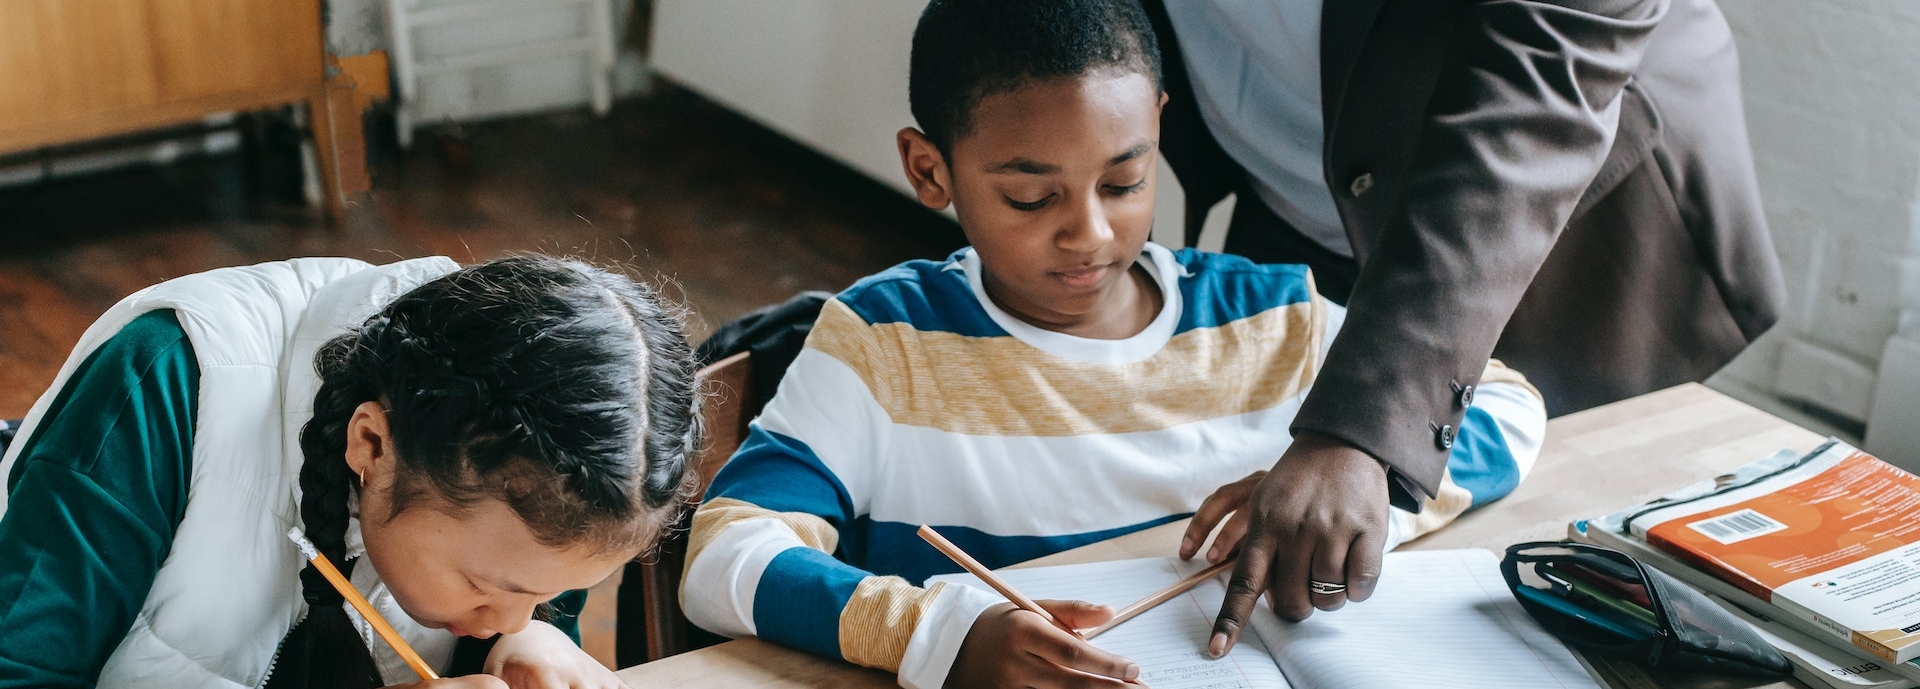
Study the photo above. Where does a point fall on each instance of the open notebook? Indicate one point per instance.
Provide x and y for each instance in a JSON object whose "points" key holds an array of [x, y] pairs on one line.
{"points": [[1438, 619]]}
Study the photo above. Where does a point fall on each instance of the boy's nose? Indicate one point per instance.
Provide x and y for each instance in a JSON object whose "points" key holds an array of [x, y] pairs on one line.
{"points": [[1088, 229]]}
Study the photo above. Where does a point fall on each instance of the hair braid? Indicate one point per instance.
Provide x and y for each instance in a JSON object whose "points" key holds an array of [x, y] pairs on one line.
{"points": [[325, 650], [671, 392]]}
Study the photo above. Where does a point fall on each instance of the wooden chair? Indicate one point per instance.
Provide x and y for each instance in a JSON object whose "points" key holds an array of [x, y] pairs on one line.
{"points": [[649, 624]]}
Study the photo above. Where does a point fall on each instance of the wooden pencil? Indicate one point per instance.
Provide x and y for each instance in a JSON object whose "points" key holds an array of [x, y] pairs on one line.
{"points": [[360, 603], [967, 562], [1164, 595]]}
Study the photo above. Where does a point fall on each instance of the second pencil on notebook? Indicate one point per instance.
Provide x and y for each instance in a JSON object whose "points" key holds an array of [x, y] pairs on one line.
{"points": [[1163, 595]]}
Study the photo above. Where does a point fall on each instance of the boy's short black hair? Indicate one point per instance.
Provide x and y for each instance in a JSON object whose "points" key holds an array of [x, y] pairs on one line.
{"points": [[966, 50]]}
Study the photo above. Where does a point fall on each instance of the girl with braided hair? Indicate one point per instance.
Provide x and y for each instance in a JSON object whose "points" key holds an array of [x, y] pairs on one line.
{"points": [[467, 444]]}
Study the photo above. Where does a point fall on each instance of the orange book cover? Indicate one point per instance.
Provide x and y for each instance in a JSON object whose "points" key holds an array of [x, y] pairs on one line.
{"points": [[1835, 539]]}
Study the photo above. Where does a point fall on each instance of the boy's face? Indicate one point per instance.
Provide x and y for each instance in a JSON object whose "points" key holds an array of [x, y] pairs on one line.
{"points": [[1053, 186]]}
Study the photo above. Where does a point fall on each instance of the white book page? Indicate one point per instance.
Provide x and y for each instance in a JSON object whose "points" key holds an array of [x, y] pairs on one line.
{"points": [[1170, 641], [1441, 619]]}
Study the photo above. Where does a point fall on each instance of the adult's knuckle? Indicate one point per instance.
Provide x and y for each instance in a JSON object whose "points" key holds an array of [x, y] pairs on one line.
{"points": [[1294, 610], [1361, 586], [1242, 587]]}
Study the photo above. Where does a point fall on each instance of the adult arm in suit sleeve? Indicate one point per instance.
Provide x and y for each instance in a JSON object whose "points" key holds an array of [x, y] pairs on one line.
{"points": [[1520, 122]]}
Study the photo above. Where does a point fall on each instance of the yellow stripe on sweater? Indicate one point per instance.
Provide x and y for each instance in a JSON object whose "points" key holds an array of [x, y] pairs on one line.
{"points": [[714, 516], [1497, 372], [1000, 386], [1446, 505], [880, 618]]}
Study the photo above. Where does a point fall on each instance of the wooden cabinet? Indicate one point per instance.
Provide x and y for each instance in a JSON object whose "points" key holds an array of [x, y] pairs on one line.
{"points": [[82, 69]]}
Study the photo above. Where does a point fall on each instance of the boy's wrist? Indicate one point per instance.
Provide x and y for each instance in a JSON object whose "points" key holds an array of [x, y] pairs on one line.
{"points": [[936, 640]]}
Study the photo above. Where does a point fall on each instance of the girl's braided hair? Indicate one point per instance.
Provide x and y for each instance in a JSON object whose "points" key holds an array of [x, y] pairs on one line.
{"points": [[560, 389]]}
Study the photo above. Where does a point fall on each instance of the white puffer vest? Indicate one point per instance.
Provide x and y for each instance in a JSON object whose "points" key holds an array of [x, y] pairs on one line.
{"points": [[229, 590]]}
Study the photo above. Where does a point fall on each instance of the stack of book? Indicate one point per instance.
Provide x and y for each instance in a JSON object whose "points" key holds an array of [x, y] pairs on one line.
{"points": [[1820, 552]]}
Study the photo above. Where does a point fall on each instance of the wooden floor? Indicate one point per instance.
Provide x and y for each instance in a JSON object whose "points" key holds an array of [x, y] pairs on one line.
{"points": [[670, 187]]}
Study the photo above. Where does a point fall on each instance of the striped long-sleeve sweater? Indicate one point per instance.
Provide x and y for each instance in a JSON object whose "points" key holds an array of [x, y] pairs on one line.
{"points": [[917, 401]]}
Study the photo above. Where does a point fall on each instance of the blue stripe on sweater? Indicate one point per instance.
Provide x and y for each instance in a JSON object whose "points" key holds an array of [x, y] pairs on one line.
{"points": [[924, 294], [1225, 288], [782, 474], [894, 548], [799, 598], [1481, 461]]}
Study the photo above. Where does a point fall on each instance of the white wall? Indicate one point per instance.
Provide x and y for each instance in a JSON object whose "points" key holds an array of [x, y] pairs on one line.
{"points": [[1832, 94], [829, 73]]}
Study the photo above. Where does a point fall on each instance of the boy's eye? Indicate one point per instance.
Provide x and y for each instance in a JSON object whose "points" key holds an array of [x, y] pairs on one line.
{"points": [[1118, 190], [1028, 205]]}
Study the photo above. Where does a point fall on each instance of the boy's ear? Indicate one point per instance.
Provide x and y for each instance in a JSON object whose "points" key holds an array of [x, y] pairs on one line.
{"points": [[926, 169]]}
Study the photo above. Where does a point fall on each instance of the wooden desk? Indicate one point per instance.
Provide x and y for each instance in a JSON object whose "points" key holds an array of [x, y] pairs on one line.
{"points": [[1594, 461]]}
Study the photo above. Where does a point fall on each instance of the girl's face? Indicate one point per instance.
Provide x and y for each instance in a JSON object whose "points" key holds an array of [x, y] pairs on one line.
{"points": [[475, 571]]}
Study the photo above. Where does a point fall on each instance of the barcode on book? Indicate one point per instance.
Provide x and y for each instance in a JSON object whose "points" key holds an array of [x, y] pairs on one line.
{"points": [[1737, 526]]}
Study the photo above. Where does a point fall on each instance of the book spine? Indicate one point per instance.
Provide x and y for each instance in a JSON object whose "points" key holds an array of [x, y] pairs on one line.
{"points": [[1860, 641]]}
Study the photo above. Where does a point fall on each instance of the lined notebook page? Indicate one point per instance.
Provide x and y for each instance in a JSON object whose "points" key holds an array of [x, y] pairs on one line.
{"points": [[1438, 619], [1170, 641]]}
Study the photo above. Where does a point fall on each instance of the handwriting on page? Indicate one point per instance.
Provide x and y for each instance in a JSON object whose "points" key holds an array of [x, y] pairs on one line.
{"points": [[1437, 619], [1170, 641]]}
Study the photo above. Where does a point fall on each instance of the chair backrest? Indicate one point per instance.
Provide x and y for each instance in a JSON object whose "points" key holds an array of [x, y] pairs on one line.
{"points": [[649, 624]]}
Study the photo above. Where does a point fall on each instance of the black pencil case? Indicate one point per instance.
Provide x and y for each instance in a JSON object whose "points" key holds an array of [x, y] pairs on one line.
{"points": [[1687, 632]]}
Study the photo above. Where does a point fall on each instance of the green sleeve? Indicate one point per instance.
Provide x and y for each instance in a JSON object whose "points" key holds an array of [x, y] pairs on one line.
{"points": [[94, 500], [566, 612]]}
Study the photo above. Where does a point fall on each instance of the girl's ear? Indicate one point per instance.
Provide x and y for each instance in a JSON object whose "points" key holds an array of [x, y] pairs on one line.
{"points": [[926, 168], [369, 443]]}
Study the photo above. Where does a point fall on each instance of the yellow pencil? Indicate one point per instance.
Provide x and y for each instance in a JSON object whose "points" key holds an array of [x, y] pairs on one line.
{"points": [[360, 603]]}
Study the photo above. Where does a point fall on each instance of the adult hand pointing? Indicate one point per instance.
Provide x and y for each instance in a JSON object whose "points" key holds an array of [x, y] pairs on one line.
{"points": [[1315, 528]]}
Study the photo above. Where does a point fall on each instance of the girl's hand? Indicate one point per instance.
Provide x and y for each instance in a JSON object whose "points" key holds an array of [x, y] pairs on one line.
{"points": [[1228, 500], [542, 657], [1010, 647]]}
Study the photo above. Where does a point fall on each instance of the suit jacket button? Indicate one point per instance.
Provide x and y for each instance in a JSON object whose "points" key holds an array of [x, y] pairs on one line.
{"points": [[1361, 184], [1466, 397], [1444, 437]]}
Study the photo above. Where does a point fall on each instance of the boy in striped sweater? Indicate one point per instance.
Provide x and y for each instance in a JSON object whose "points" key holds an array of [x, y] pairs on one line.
{"points": [[1061, 381]]}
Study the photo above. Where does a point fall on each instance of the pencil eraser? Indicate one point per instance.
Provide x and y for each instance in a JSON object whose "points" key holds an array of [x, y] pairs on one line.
{"points": [[300, 541]]}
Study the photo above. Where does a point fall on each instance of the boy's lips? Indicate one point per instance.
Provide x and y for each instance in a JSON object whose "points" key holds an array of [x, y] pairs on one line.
{"points": [[1084, 276]]}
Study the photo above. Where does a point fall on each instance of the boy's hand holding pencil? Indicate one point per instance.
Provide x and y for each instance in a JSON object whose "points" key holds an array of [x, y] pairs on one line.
{"points": [[1008, 648]]}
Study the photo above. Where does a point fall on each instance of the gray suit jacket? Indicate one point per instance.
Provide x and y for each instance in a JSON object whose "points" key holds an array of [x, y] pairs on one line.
{"points": [[1565, 184]]}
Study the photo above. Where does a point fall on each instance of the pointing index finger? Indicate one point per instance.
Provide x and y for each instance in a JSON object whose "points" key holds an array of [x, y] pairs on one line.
{"points": [[1243, 590]]}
